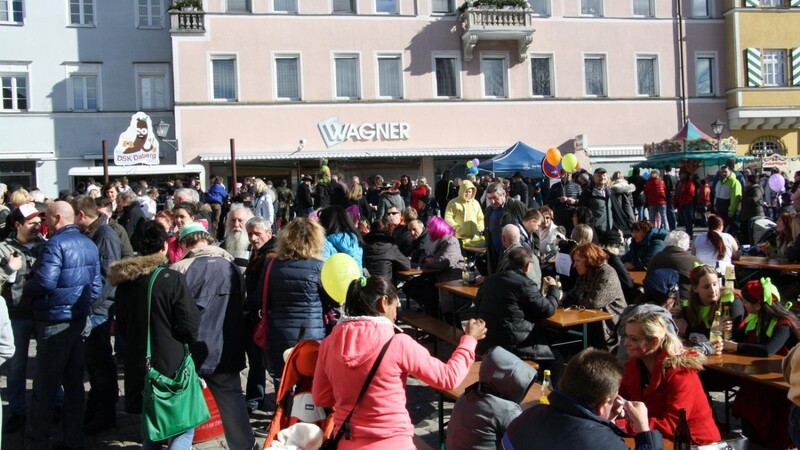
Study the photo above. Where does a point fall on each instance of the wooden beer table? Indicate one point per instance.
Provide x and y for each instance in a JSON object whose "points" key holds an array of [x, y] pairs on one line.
{"points": [[762, 262], [458, 288], [572, 317], [765, 370], [475, 249], [638, 277]]}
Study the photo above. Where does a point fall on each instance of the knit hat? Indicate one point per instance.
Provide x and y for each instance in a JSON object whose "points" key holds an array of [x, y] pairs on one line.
{"points": [[193, 227], [659, 284]]}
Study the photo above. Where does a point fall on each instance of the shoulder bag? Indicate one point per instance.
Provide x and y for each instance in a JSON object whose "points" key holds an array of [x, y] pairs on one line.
{"points": [[174, 405], [344, 430], [261, 335]]}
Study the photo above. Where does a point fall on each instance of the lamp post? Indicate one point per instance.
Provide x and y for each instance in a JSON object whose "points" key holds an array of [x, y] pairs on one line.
{"points": [[162, 129], [717, 128]]}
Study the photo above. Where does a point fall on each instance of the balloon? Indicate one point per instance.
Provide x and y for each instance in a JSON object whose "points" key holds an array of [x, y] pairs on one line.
{"points": [[630, 172], [776, 182], [553, 156], [550, 170], [337, 274], [474, 170], [476, 162], [645, 174], [469, 164], [569, 162]]}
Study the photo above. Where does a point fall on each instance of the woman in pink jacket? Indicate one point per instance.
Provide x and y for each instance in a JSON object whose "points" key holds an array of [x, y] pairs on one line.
{"points": [[380, 420]]}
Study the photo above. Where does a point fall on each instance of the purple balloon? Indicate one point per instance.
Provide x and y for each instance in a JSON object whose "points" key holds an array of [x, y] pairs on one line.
{"points": [[777, 182], [475, 162]]}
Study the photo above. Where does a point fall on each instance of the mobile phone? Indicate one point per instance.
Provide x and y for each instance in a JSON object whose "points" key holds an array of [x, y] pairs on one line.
{"points": [[15, 253]]}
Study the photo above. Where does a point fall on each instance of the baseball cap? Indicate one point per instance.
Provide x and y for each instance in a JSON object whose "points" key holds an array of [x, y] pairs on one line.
{"points": [[599, 170], [190, 228], [27, 211]]}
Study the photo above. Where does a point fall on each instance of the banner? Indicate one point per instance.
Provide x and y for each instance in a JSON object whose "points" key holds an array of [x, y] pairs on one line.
{"points": [[138, 144]]}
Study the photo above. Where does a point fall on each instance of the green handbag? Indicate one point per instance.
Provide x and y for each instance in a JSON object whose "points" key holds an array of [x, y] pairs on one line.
{"points": [[170, 406]]}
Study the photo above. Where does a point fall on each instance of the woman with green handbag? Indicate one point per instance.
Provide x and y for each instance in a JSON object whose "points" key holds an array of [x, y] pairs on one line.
{"points": [[173, 321]]}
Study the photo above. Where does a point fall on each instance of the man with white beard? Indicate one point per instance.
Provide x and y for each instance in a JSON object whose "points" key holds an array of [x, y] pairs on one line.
{"points": [[236, 242]]}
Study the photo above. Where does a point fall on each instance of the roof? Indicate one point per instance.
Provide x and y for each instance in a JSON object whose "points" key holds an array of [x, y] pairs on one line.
{"points": [[371, 153], [95, 171]]}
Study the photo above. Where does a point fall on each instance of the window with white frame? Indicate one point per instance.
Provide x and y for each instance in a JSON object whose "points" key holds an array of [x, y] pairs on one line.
{"points": [[447, 79], [239, 6], [344, 6], [287, 6], [84, 86], [224, 77], [594, 72], [773, 67], [706, 75], [768, 145], [647, 75], [15, 90], [443, 6], [494, 71], [81, 12], [701, 8], [386, 6], [390, 76], [540, 7], [592, 8], [152, 86], [11, 11], [347, 76], [542, 75], [150, 13], [771, 3], [287, 77], [643, 8]]}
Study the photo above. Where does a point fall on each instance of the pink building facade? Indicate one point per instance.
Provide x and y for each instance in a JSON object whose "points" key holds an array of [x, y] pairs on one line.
{"points": [[412, 86]]}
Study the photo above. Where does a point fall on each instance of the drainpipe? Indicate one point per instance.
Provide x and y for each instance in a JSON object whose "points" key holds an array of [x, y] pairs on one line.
{"points": [[682, 63]]}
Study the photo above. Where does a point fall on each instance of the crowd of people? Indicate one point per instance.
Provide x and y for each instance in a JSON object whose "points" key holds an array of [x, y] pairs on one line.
{"points": [[76, 268]]}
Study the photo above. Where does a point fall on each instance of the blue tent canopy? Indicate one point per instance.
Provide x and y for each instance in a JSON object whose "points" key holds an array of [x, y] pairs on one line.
{"points": [[519, 158]]}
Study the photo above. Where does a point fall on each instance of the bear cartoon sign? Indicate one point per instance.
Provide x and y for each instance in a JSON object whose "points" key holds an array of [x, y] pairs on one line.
{"points": [[138, 144]]}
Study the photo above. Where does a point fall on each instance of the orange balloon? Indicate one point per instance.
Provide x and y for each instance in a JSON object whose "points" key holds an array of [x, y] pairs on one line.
{"points": [[553, 156]]}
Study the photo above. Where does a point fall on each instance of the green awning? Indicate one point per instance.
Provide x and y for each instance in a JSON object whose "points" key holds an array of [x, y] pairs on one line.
{"points": [[712, 158]]}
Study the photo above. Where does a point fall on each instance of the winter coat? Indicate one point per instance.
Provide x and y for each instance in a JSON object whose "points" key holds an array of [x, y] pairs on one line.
{"points": [[640, 253], [752, 199], [562, 212], [685, 194], [445, 254], [729, 189], [512, 212], [674, 385], [109, 249], [535, 272], [465, 216], [127, 249], [382, 257], [263, 207], [7, 348], [347, 355], [66, 280], [417, 193], [418, 251], [217, 286], [599, 201], [482, 414], [672, 257], [131, 219], [622, 206], [322, 195], [19, 306], [511, 304], [304, 199], [216, 194], [174, 320], [655, 191], [644, 308], [519, 189], [387, 200], [565, 424], [599, 290], [343, 243]]}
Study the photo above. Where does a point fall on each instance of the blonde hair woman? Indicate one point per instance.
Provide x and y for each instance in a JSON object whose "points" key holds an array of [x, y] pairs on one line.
{"points": [[664, 375], [20, 197], [582, 234]]}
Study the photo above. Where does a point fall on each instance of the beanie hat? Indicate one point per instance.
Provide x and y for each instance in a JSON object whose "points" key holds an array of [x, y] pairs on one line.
{"points": [[193, 227]]}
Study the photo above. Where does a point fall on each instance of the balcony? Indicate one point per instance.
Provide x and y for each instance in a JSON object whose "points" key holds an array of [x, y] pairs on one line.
{"points": [[492, 24], [187, 22]]}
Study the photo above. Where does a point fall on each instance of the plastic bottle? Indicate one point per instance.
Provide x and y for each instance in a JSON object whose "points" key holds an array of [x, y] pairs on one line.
{"points": [[683, 437], [547, 387], [715, 334]]}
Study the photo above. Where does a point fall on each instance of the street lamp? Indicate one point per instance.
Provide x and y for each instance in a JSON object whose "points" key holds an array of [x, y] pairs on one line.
{"points": [[717, 128], [162, 128]]}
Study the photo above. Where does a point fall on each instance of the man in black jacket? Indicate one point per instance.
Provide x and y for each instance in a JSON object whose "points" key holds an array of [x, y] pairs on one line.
{"points": [[598, 199], [305, 203], [502, 211], [563, 199], [132, 216]]}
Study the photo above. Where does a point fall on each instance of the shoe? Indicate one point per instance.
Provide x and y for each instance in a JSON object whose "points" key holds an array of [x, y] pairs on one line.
{"points": [[14, 423], [98, 426]]}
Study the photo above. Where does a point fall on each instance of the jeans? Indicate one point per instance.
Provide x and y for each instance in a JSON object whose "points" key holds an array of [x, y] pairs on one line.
{"points": [[179, 442], [23, 331], [59, 359], [640, 210], [101, 403], [671, 214], [227, 391], [687, 217], [256, 377], [658, 216]]}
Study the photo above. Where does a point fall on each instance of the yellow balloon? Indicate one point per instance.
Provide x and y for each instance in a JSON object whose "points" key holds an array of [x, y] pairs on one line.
{"points": [[569, 162], [337, 273], [553, 156], [469, 164]]}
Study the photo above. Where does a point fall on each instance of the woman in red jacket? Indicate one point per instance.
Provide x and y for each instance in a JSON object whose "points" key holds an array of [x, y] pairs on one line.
{"points": [[656, 193], [663, 375], [684, 200], [421, 190]]}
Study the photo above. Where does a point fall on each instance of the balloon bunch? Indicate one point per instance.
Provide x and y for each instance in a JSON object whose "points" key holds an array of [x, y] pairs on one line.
{"points": [[553, 163], [472, 166]]}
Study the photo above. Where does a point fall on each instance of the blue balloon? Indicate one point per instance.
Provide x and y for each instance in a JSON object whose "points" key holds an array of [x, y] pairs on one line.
{"points": [[646, 174]]}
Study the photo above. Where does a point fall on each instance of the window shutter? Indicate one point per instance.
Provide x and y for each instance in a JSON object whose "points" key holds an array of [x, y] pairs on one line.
{"points": [[751, 3], [754, 76], [796, 66]]}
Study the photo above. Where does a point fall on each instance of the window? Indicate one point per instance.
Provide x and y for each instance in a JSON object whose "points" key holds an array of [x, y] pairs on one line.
{"points": [[592, 8], [767, 145], [390, 76], [643, 8], [771, 3], [240, 6], [152, 86], [386, 6], [700, 8], [494, 69], [540, 7], [287, 77], [774, 67], [11, 11], [347, 82], [287, 6], [446, 68], [542, 76], [706, 74], [83, 87], [224, 78], [150, 14], [344, 6], [81, 12], [647, 76], [594, 68], [15, 91], [443, 6]]}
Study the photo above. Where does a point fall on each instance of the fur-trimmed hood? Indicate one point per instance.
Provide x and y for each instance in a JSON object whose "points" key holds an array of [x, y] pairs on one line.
{"points": [[689, 359], [130, 269], [622, 187]]}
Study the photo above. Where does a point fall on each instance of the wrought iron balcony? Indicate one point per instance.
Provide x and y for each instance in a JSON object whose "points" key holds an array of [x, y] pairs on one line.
{"points": [[187, 22], [482, 23]]}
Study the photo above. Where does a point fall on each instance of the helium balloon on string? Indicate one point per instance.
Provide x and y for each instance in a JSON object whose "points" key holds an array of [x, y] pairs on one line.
{"points": [[553, 156], [776, 182], [475, 162], [337, 273], [645, 174], [470, 165], [569, 162]]}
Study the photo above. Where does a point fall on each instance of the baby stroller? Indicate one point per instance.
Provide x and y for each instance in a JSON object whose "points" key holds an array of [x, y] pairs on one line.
{"points": [[760, 228], [295, 404]]}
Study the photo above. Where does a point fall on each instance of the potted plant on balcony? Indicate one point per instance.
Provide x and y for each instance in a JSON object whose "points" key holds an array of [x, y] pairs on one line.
{"points": [[186, 5], [494, 4]]}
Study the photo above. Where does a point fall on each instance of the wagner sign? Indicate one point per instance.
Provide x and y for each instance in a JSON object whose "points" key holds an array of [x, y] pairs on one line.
{"points": [[334, 132], [138, 144]]}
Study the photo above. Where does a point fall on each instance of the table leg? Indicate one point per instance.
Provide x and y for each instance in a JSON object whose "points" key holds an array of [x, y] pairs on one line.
{"points": [[441, 420], [585, 336]]}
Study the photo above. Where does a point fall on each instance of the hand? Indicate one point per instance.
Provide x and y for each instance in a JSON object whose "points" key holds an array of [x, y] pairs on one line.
{"points": [[563, 199], [630, 266], [476, 328], [14, 261], [729, 347], [617, 409], [637, 414], [549, 281], [479, 280], [727, 325]]}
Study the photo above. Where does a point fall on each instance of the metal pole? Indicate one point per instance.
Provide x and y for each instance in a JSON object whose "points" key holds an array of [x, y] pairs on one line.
{"points": [[105, 163], [233, 165]]}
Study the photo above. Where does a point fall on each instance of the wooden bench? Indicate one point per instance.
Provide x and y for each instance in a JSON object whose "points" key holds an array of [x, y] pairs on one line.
{"points": [[440, 330]]}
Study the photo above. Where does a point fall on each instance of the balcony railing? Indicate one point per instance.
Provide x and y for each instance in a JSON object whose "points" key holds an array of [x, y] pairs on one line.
{"points": [[497, 24], [497, 18], [187, 22]]}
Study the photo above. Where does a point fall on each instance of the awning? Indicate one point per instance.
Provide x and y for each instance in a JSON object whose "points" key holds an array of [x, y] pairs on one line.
{"points": [[166, 169], [712, 158], [27, 156], [404, 153]]}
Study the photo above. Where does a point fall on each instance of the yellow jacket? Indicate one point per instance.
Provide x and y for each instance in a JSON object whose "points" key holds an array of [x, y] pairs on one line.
{"points": [[465, 216]]}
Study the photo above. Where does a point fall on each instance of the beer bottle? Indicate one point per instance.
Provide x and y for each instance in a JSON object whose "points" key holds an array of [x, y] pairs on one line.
{"points": [[465, 271], [726, 315], [715, 334], [683, 437], [547, 388]]}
